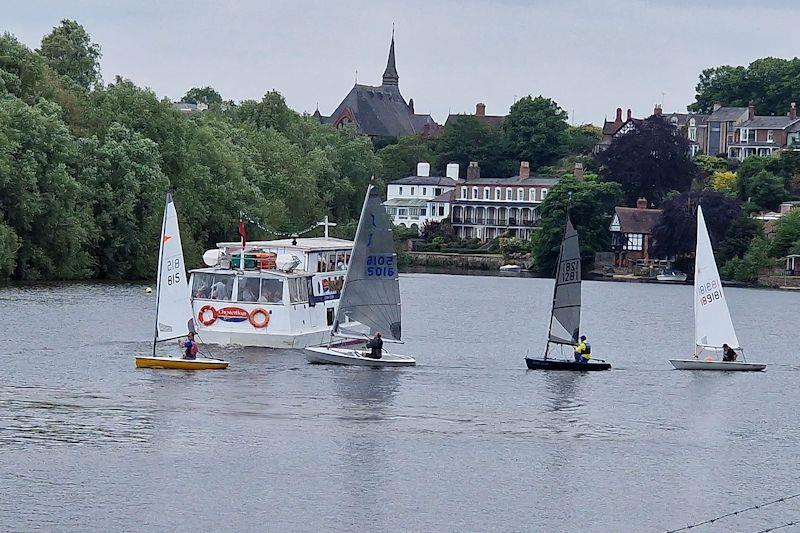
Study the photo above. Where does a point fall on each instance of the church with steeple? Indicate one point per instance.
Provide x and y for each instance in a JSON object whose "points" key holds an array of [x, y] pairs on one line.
{"points": [[380, 111]]}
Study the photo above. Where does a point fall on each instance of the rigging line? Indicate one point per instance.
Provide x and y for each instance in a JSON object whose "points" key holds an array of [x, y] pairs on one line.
{"points": [[795, 523], [733, 513]]}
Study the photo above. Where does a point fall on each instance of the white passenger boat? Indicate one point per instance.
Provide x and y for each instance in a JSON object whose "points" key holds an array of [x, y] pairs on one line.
{"points": [[370, 297], [671, 275], [713, 326], [278, 294]]}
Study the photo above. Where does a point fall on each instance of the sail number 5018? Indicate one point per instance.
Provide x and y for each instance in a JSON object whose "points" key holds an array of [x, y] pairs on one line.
{"points": [[709, 292], [173, 271], [380, 266], [570, 270]]}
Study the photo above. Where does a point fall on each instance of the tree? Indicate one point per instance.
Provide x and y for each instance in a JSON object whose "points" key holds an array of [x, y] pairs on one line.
{"points": [[536, 131], [675, 233], [766, 190], [725, 181], [748, 267], [399, 159], [787, 234], [649, 161], [467, 139], [582, 139], [206, 95], [771, 83], [738, 238], [71, 52], [270, 112], [592, 203], [708, 164]]}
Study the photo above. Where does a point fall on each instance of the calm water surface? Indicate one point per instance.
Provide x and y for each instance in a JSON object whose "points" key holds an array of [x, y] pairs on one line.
{"points": [[466, 441]]}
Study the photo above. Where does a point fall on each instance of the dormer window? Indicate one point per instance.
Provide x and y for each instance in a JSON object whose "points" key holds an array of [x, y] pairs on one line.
{"points": [[673, 121], [692, 122]]}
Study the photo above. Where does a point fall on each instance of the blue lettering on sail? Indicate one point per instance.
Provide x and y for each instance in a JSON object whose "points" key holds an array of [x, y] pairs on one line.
{"points": [[381, 266]]}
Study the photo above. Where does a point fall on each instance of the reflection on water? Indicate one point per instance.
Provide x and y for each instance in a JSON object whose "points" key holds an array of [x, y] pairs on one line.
{"points": [[469, 440]]}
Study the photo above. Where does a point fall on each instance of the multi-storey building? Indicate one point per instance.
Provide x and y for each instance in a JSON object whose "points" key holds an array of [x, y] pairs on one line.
{"points": [[408, 199], [486, 208], [764, 135]]}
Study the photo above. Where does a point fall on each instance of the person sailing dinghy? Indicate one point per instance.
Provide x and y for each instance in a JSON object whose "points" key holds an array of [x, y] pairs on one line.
{"points": [[713, 327], [174, 318], [370, 296], [565, 315]]}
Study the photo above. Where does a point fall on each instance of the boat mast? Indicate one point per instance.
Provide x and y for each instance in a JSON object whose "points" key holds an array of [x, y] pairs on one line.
{"points": [[555, 285], [168, 198]]}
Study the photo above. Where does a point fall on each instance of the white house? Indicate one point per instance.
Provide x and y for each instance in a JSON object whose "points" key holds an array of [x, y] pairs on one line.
{"points": [[414, 200]]}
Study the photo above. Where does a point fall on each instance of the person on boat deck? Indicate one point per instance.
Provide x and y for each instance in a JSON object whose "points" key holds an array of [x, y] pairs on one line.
{"points": [[376, 346], [728, 354], [190, 347], [583, 351]]}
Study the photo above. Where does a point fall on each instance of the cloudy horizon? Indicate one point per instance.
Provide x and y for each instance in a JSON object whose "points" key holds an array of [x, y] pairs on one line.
{"points": [[451, 54]]}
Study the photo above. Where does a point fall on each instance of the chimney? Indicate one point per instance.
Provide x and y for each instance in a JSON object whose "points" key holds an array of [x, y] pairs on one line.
{"points": [[578, 171], [793, 111], [717, 106], [619, 115], [629, 113], [473, 171], [452, 171], [751, 110], [657, 110], [411, 105], [480, 109], [423, 169], [524, 170], [641, 203]]}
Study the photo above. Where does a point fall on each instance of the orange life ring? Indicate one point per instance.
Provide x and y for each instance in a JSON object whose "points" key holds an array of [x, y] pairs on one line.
{"points": [[201, 316], [259, 323]]}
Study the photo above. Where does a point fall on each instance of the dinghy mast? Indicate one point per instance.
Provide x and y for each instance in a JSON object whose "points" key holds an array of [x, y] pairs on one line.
{"points": [[565, 315]]}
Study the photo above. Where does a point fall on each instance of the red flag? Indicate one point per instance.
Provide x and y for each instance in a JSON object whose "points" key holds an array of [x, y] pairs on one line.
{"points": [[242, 233]]}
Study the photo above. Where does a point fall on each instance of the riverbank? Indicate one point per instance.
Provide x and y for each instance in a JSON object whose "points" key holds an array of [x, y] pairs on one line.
{"points": [[454, 261]]}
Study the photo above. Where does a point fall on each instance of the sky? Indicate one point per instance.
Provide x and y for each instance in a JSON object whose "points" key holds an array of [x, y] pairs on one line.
{"points": [[589, 56]]}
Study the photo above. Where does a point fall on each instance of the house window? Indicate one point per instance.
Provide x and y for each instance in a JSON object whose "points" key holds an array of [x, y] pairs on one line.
{"points": [[694, 149], [692, 133], [441, 210], [475, 193], [422, 211], [673, 121], [543, 194], [486, 193], [424, 191], [401, 191], [437, 191], [497, 193], [633, 241], [412, 191], [744, 133], [692, 122], [463, 192], [521, 195], [769, 136], [509, 194]]}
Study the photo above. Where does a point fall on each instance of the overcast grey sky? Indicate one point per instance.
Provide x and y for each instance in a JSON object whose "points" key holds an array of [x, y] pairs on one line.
{"points": [[590, 56]]}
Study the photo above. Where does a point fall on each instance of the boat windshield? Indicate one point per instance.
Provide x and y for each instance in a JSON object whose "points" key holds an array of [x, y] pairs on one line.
{"points": [[212, 286]]}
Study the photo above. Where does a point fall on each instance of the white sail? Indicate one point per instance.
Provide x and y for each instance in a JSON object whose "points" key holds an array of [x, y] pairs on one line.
{"points": [[712, 320], [174, 310], [565, 318]]}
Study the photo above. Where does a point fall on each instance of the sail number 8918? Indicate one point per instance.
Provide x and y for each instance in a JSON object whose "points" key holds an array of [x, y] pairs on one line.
{"points": [[381, 266], [709, 292], [173, 271]]}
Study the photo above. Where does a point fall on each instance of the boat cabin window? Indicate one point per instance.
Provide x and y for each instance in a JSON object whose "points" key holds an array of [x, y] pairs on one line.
{"points": [[248, 289], [298, 290], [332, 261], [212, 286], [271, 291]]}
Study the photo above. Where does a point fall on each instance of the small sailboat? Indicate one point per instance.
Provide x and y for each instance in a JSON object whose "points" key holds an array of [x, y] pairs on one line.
{"points": [[173, 307], [370, 297], [565, 316], [713, 326]]}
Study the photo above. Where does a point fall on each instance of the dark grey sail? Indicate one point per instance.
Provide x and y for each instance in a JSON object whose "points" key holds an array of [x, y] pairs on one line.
{"points": [[371, 291], [565, 319]]}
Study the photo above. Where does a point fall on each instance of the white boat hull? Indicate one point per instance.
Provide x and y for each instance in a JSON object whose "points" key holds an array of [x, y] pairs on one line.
{"points": [[350, 356], [671, 277], [264, 339], [510, 268], [723, 366]]}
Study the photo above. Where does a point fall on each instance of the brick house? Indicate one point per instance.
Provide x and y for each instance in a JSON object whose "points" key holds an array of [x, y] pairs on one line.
{"points": [[632, 233]]}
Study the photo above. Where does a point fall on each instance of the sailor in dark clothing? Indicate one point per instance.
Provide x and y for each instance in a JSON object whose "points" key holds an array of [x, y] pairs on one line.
{"points": [[376, 347], [728, 354]]}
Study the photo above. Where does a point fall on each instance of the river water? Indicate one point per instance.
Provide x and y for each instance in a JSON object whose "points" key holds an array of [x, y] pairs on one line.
{"points": [[466, 441]]}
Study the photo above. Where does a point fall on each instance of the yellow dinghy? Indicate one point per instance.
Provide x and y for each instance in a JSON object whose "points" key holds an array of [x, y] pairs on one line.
{"points": [[178, 363]]}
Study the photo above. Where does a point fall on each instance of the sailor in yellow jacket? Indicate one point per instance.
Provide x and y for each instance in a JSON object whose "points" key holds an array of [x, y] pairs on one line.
{"points": [[583, 351]]}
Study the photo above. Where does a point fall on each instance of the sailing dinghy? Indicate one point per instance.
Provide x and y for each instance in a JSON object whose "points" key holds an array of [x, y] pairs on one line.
{"points": [[713, 326], [370, 297], [173, 308], [565, 315]]}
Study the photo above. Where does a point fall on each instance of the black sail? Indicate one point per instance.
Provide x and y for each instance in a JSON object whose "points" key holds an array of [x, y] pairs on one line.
{"points": [[371, 291]]}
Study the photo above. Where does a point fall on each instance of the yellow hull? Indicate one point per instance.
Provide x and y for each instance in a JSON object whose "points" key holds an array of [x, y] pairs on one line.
{"points": [[176, 363]]}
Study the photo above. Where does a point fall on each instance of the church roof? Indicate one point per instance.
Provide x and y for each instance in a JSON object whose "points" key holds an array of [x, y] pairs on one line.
{"points": [[377, 111]]}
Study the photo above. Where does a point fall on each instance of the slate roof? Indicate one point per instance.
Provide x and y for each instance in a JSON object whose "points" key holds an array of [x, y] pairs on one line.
{"points": [[406, 202], [610, 128], [635, 220], [683, 118], [444, 197], [378, 111], [437, 181], [769, 123], [728, 114], [513, 181]]}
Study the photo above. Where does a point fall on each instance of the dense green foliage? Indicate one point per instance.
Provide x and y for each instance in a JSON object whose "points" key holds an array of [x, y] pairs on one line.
{"points": [[649, 162], [591, 204], [83, 166], [206, 95], [771, 83]]}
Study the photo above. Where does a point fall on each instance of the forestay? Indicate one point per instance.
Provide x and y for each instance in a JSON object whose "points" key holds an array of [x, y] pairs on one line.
{"points": [[371, 291], [566, 316], [174, 310], [712, 320]]}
